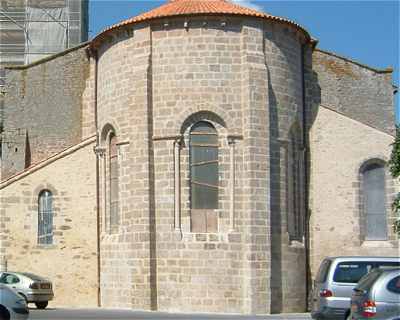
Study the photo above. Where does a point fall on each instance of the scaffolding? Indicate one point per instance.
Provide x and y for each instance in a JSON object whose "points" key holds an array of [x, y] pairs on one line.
{"points": [[33, 29]]}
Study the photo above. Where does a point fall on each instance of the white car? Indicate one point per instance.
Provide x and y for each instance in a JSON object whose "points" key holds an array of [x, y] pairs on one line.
{"points": [[33, 288], [12, 305]]}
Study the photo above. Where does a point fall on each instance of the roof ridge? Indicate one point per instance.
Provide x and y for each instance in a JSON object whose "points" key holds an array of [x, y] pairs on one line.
{"points": [[354, 61], [45, 162], [333, 109], [188, 0], [184, 8]]}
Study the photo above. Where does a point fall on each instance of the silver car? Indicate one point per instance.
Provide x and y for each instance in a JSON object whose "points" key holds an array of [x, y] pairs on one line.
{"points": [[12, 305], [33, 288], [336, 278], [377, 296]]}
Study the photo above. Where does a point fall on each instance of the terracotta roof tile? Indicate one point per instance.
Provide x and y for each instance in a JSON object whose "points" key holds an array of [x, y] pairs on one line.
{"points": [[175, 8]]}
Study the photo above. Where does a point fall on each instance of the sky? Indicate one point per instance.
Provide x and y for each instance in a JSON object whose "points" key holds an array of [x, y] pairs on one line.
{"points": [[365, 31]]}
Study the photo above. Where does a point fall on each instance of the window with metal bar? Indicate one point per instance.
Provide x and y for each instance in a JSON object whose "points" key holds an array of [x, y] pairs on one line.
{"points": [[45, 217], [204, 166]]}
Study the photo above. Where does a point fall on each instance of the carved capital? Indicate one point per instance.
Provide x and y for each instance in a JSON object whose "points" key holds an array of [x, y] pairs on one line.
{"points": [[233, 137], [178, 142], [99, 151]]}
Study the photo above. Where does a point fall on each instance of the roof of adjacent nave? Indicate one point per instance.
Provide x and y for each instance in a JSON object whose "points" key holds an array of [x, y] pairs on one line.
{"points": [[176, 8]]}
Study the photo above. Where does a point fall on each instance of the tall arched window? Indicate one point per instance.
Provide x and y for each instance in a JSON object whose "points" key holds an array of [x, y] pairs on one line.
{"points": [[45, 217], [203, 176], [113, 182], [374, 201]]}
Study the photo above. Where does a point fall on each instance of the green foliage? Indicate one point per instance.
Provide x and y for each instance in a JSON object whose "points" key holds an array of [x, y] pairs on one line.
{"points": [[396, 209], [396, 227], [396, 204], [394, 162], [394, 167]]}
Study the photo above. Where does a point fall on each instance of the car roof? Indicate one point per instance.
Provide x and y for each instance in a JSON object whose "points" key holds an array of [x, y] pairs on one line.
{"points": [[382, 274], [25, 274], [15, 273], [8, 271], [363, 258], [386, 270], [391, 270]]}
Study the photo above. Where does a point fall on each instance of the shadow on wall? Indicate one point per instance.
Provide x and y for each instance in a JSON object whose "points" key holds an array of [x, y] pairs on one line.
{"points": [[313, 102], [152, 206], [278, 229], [28, 156], [275, 209]]}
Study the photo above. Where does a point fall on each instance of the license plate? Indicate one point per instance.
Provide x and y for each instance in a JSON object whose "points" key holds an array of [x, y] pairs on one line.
{"points": [[45, 286]]}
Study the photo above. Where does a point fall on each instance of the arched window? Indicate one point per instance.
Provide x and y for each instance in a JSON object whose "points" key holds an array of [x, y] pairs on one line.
{"points": [[45, 217], [203, 176], [113, 179], [295, 181], [374, 201]]}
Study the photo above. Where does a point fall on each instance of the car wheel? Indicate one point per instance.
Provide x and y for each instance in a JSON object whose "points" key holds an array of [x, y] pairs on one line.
{"points": [[4, 314], [42, 304]]}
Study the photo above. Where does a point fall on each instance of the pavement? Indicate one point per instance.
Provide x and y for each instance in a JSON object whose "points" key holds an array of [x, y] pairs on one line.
{"points": [[118, 314]]}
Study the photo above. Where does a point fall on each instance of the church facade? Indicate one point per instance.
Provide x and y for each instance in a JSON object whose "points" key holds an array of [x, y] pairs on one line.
{"points": [[201, 157]]}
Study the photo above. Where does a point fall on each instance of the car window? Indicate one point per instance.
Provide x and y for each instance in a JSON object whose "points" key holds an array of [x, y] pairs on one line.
{"points": [[3, 278], [323, 271], [367, 281], [351, 272], [394, 285], [7, 278], [387, 264]]}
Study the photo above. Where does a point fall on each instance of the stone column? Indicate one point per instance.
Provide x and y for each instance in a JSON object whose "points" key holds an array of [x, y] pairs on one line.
{"points": [[3, 236], [231, 142], [256, 184], [100, 153], [177, 184]]}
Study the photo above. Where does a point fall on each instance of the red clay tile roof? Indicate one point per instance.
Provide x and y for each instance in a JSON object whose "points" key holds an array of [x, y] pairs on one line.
{"points": [[175, 8]]}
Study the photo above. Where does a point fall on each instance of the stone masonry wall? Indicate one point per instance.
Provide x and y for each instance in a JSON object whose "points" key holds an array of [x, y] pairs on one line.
{"points": [[196, 76], [123, 97], [284, 56], [71, 261], [43, 109], [88, 128], [154, 83], [357, 91], [216, 74], [340, 146]]}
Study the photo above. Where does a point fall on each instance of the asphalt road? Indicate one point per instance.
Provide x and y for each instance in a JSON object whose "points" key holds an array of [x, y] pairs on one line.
{"points": [[110, 314]]}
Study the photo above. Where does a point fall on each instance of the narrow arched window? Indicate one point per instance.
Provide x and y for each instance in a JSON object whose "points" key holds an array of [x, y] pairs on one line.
{"points": [[113, 183], [203, 176], [374, 196], [45, 217]]}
